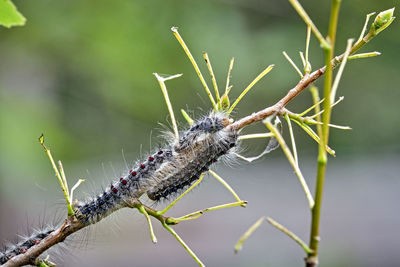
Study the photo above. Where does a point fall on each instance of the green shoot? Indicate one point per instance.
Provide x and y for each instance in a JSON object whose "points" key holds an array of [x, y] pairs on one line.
{"points": [[309, 23], [187, 248], [340, 72], [224, 183], [196, 67], [259, 77], [364, 55], [61, 177], [314, 136], [293, 64], [248, 233], [161, 80], [290, 234], [187, 117], [332, 105], [296, 160], [365, 26], [308, 121], [62, 173], [317, 108], [303, 59], [144, 212], [307, 66], [214, 81], [311, 108], [197, 214], [292, 162], [228, 77]]}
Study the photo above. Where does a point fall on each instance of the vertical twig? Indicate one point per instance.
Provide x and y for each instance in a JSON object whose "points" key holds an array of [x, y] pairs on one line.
{"points": [[312, 258]]}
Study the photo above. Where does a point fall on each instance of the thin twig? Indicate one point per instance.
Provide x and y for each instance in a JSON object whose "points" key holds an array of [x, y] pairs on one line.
{"points": [[161, 81], [196, 67], [292, 63], [292, 162], [289, 233]]}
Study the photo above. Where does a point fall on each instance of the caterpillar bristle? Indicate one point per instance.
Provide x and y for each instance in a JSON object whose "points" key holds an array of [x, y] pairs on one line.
{"points": [[26, 243]]}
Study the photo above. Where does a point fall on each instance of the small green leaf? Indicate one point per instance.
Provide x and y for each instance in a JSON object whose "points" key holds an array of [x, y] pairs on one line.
{"points": [[382, 21], [9, 15], [383, 17]]}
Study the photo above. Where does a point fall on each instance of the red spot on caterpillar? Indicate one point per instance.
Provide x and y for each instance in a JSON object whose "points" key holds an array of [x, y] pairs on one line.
{"points": [[124, 182], [160, 152], [22, 250], [115, 190], [151, 158], [121, 179], [36, 242], [133, 173], [142, 166], [112, 186]]}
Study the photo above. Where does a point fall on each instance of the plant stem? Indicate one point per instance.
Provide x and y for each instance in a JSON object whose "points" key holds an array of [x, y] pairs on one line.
{"points": [[312, 257], [303, 14]]}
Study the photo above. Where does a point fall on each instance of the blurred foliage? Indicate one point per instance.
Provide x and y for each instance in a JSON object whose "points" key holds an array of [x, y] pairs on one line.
{"points": [[81, 73], [9, 15]]}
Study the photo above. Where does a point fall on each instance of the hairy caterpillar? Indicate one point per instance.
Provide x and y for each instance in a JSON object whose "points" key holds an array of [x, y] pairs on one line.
{"points": [[168, 170], [162, 174], [25, 244]]}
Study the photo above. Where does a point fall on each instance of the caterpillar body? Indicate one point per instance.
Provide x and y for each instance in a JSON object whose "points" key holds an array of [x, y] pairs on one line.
{"points": [[25, 244], [164, 173], [167, 171]]}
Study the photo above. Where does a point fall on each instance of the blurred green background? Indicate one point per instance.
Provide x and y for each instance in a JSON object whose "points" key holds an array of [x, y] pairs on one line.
{"points": [[81, 73]]}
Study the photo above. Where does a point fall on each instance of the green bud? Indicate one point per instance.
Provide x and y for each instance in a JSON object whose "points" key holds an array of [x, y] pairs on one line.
{"points": [[382, 20], [225, 102]]}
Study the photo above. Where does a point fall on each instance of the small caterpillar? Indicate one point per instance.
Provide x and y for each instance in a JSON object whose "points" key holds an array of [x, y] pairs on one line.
{"points": [[25, 244], [167, 171]]}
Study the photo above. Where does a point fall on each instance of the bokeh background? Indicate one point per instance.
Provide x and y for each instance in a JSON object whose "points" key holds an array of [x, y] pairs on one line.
{"points": [[81, 73]]}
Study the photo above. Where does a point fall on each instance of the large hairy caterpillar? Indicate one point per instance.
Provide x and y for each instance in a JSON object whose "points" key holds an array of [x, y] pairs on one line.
{"points": [[168, 170], [164, 173]]}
